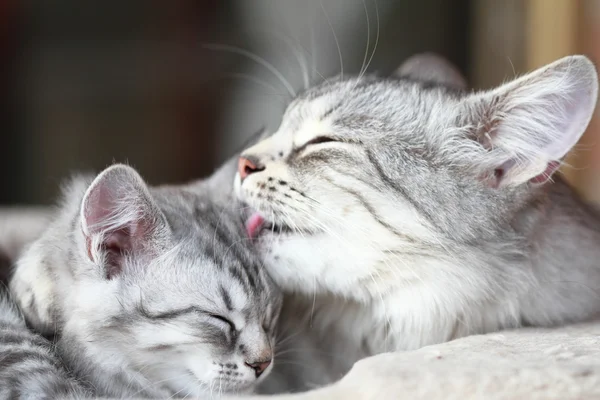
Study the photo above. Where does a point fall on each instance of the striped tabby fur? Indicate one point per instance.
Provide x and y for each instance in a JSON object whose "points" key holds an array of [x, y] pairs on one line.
{"points": [[151, 292], [29, 365]]}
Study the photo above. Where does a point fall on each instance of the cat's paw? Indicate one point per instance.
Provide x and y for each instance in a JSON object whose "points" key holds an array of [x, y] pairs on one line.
{"points": [[33, 289]]}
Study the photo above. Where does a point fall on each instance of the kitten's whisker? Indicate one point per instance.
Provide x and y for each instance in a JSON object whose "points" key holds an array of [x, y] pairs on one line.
{"points": [[152, 385]]}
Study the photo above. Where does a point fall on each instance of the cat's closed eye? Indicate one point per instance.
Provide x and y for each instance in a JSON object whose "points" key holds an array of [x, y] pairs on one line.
{"points": [[315, 141], [319, 140]]}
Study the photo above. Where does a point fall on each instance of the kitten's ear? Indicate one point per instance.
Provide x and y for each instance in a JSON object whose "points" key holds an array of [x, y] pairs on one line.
{"points": [[528, 125], [430, 67], [119, 218]]}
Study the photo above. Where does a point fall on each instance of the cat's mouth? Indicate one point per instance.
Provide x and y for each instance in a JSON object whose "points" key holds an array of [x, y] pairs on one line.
{"points": [[256, 224]]}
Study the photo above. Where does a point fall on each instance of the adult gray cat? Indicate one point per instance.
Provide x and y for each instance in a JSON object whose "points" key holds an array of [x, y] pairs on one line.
{"points": [[153, 292], [401, 212]]}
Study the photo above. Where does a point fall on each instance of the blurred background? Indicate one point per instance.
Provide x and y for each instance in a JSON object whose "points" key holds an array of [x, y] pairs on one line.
{"points": [[175, 88]]}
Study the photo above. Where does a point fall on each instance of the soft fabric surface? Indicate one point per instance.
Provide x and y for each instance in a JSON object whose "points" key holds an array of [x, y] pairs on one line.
{"points": [[528, 364]]}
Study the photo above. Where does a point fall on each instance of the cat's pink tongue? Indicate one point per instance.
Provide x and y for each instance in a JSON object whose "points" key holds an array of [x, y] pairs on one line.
{"points": [[254, 224]]}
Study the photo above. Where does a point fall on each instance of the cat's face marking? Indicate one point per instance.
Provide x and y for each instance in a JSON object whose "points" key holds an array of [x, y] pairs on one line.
{"points": [[179, 328], [366, 179], [321, 192]]}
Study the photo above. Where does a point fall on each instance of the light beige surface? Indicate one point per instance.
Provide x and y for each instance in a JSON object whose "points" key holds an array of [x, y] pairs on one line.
{"points": [[19, 226], [529, 364]]}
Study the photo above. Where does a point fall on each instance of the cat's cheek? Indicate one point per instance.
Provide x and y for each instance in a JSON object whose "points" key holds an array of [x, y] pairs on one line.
{"points": [[288, 272]]}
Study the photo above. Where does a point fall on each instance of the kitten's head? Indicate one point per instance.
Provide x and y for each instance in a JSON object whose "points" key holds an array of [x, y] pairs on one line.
{"points": [[165, 285], [367, 177]]}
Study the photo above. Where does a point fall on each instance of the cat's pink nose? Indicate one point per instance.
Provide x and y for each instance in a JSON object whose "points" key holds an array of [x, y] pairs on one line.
{"points": [[248, 165], [259, 366]]}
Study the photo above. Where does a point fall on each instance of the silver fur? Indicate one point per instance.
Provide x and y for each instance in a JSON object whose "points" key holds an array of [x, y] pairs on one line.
{"points": [[29, 365], [406, 211], [152, 292]]}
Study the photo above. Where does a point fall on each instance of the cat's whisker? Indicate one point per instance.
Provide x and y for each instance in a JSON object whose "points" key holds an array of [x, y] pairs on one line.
{"points": [[273, 91], [302, 350], [152, 385], [364, 63], [285, 340], [300, 57], [365, 234], [377, 288], [257, 59], [220, 385], [314, 302], [376, 38], [390, 267], [235, 243], [337, 43], [286, 362], [176, 393], [313, 45]]}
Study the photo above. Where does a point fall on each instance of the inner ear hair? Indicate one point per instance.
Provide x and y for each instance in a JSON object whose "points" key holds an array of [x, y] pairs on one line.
{"points": [[527, 126]]}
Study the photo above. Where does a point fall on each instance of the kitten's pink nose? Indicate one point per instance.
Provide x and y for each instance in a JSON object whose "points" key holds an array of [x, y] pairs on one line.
{"points": [[248, 165], [259, 366]]}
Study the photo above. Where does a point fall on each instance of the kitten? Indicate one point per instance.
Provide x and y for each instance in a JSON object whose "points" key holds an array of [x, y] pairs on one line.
{"points": [[152, 292], [405, 211], [30, 368]]}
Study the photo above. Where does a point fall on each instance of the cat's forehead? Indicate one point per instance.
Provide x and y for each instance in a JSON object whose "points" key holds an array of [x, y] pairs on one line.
{"points": [[358, 103], [198, 278], [206, 257]]}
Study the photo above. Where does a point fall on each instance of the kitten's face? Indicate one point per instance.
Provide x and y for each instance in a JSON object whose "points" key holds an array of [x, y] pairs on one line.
{"points": [[184, 323], [168, 287], [368, 180]]}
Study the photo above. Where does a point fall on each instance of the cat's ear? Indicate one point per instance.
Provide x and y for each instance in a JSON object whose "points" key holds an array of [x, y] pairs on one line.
{"points": [[528, 125], [430, 67], [119, 218]]}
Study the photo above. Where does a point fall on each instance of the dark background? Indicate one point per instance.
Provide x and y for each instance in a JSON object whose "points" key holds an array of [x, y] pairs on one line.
{"points": [[88, 83]]}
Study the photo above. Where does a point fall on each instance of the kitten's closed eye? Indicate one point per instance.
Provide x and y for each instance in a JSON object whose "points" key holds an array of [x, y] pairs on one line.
{"points": [[216, 319], [223, 320]]}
